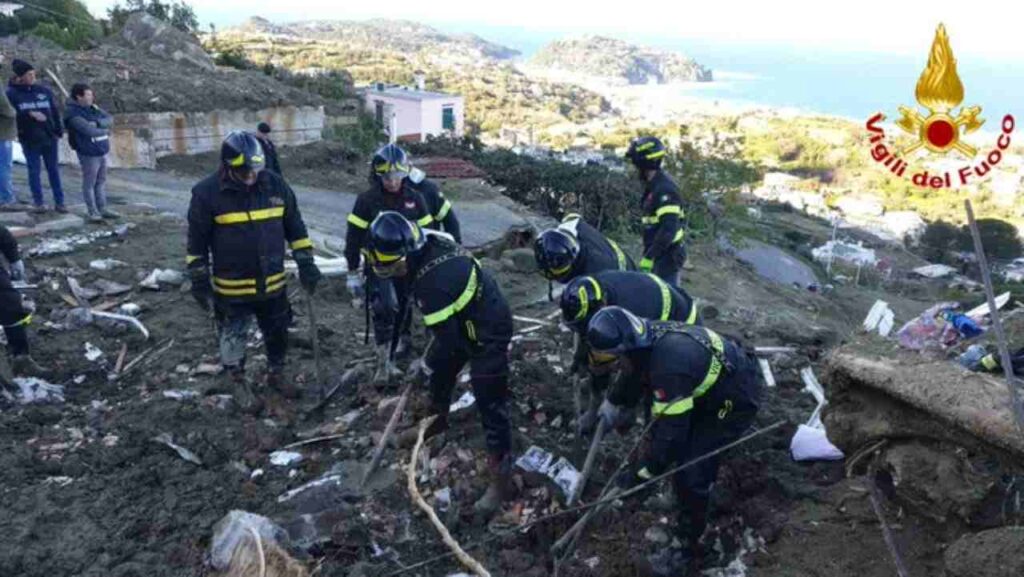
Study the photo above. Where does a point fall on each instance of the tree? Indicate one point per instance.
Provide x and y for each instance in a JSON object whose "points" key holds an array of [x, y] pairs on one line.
{"points": [[66, 22], [177, 13], [938, 240], [999, 238]]}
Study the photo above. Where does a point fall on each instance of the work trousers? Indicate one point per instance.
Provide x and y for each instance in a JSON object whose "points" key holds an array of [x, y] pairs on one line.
{"points": [[35, 158], [668, 266], [94, 180], [385, 297], [234, 318]]}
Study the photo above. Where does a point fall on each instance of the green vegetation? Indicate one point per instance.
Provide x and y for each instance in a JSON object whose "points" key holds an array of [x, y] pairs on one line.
{"points": [[175, 12], [65, 22]]}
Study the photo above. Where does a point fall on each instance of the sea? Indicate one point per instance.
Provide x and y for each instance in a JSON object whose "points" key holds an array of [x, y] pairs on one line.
{"points": [[849, 84]]}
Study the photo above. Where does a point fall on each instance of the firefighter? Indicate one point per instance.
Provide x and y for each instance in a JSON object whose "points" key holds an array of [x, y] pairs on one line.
{"points": [[642, 294], [664, 251], [13, 315], [243, 217], [705, 393], [392, 187], [575, 248], [470, 321]]}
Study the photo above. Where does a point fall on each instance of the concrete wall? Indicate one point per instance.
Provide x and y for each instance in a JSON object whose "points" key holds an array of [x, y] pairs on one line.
{"points": [[408, 112], [139, 139]]}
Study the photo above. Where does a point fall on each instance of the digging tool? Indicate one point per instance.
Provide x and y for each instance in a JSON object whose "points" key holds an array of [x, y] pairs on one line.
{"points": [[588, 465], [520, 529], [378, 452], [577, 399], [314, 337]]}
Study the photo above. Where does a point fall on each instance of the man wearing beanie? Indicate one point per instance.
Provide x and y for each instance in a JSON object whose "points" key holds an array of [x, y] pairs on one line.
{"points": [[39, 131], [269, 150]]}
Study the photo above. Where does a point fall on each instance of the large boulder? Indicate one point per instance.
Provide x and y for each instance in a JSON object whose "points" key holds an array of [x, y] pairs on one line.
{"points": [[161, 39], [993, 553]]}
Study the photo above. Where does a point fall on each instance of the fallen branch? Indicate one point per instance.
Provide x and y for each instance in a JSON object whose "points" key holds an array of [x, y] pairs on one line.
{"points": [[120, 358], [901, 569], [378, 452], [588, 464], [460, 554], [312, 441]]}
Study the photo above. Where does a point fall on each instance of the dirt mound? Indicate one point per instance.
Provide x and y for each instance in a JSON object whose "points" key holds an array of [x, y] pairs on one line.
{"points": [[128, 79], [995, 553]]}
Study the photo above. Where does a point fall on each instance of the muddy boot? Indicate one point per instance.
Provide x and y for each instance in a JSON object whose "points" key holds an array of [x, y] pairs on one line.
{"points": [[277, 381], [26, 366], [386, 370], [247, 401], [407, 438], [498, 490]]}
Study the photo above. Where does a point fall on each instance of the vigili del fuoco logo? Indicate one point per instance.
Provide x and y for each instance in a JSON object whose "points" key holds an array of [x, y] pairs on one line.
{"points": [[941, 130]]}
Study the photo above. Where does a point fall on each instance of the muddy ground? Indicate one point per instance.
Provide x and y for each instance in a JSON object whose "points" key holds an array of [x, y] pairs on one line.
{"points": [[85, 490]]}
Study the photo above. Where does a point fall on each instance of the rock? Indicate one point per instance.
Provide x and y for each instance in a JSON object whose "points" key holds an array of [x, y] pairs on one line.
{"points": [[17, 219], [992, 553], [521, 260], [65, 222], [657, 535], [163, 40]]}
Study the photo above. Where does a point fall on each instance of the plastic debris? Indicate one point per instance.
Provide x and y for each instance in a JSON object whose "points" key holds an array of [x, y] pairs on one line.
{"points": [[812, 444], [928, 330], [180, 394], [443, 499], [162, 276], [237, 528], [92, 352], [35, 390], [465, 401], [981, 311], [125, 319], [285, 458], [964, 325], [67, 244], [111, 288], [880, 318], [562, 472], [935, 271], [166, 439], [106, 264], [971, 358], [129, 309], [766, 370]]}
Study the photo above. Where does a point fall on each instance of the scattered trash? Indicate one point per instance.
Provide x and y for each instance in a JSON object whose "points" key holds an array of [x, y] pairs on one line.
{"points": [[766, 370], [934, 271], [129, 309], [880, 318], [180, 394], [465, 401], [964, 325], [59, 481], [165, 276], [256, 474], [592, 562], [285, 458], [245, 539], [443, 499], [111, 288], [981, 311], [166, 439], [928, 330], [106, 264], [92, 352], [79, 379], [812, 444], [812, 386], [81, 294], [208, 369], [67, 244], [562, 472], [123, 318], [35, 390]]}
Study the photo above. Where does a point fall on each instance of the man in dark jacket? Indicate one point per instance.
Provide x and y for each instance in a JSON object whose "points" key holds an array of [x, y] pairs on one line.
{"points": [[470, 321], [269, 148], [13, 315], [575, 248], [662, 207], [391, 188], [705, 391], [89, 136], [39, 131], [243, 216]]}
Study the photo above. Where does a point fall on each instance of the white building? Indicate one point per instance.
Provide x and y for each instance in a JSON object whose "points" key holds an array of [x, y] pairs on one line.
{"points": [[414, 113]]}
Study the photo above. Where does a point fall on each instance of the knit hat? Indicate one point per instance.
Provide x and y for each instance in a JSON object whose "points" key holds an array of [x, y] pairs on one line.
{"points": [[263, 127], [20, 67]]}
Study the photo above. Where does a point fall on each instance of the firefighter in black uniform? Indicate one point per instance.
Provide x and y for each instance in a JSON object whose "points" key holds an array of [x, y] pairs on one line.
{"points": [[391, 188], [469, 321], [642, 294], [662, 208], [12, 312], [243, 216], [575, 248], [705, 391]]}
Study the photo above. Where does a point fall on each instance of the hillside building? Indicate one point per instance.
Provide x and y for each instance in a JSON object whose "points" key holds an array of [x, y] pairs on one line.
{"points": [[411, 114]]}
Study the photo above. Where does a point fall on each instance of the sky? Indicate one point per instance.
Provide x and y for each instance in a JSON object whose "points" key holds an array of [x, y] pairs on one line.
{"points": [[976, 29]]}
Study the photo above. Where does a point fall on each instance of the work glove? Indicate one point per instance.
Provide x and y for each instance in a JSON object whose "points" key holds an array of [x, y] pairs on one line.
{"points": [[18, 270], [646, 264], [354, 284], [202, 288], [309, 273]]}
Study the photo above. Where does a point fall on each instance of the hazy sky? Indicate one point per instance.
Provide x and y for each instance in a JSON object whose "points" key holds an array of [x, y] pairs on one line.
{"points": [[976, 28]]}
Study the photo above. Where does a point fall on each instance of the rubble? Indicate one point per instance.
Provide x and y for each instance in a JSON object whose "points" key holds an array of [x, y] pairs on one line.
{"points": [[166, 439]]}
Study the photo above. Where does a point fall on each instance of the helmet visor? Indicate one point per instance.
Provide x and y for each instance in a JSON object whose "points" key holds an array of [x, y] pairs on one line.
{"points": [[391, 170], [387, 265]]}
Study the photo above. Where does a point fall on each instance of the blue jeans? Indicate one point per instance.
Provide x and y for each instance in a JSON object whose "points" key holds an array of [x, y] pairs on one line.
{"points": [[6, 160], [34, 157]]}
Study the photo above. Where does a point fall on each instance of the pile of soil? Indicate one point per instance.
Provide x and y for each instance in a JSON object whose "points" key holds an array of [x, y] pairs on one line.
{"points": [[86, 490], [132, 80]]}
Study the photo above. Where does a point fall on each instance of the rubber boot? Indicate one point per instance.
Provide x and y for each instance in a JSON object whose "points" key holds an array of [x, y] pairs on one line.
{"points": [[26, 366], [498, 490], [386, 369], [247, 401], [276, 381]]}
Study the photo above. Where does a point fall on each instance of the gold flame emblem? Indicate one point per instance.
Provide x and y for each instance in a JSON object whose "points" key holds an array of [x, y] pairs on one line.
{"points": [[940, 91]]}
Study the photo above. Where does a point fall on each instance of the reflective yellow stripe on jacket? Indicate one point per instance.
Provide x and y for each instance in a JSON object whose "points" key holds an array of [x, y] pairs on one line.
{"points": [[301, 244], [681, 406], [250, 216], [460, 303], [619, 255], [662, 211], [358, 222], [444, 210], [247, 286], [666, 297]]}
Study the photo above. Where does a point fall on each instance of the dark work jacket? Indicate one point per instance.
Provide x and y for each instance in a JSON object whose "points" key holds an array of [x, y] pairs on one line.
{"points": [[245, 229], [440, 207], [9, 245], [597, 252], [270, 155], [408, 202], [662, 210], [462, 306], [38, 98], [88, 129]]}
